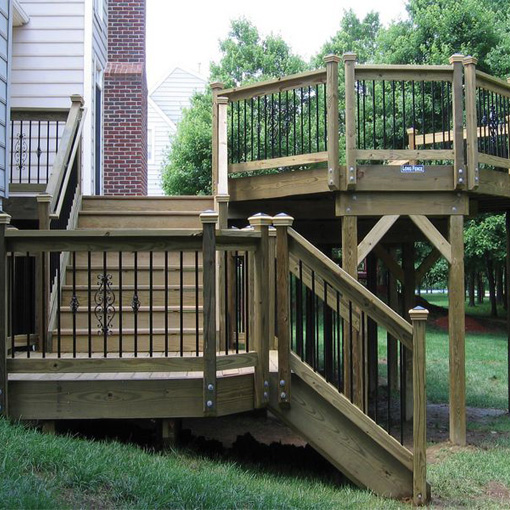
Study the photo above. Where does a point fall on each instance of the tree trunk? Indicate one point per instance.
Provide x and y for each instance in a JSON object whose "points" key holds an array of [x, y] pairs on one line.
{"points": [[500, 298], [471, 288], [481, 288], [492, 287]]}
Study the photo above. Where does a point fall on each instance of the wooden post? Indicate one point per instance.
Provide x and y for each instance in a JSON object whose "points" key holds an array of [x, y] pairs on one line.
{"points": [[411, 141], [459, 168], [209, 219], [353, 340], [222, 197], [332, 116], [170, 429], [456, 326], [216, 88], [473, 177], [5, 219], [260, 222], [350, 121], [419, 320], [408, 255], [282, 222], [42, 275], [273, 345], [507, 296]]}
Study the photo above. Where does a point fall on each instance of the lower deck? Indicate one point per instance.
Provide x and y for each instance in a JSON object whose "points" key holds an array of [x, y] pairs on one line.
{"points": [[129, 387]]}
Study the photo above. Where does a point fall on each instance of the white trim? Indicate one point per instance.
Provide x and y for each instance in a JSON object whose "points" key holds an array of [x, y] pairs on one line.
{"points": [[19, 16], [87, 173], [161, 113], [172, 71]]}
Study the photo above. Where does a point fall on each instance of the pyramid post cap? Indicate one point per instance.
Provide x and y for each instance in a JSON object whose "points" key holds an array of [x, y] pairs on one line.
{"points": [[349, 56], [332, 58], [209, 216], [260, 219], [283, 220], [470, 60], [217, 85], [456, 57], [418, 313]]}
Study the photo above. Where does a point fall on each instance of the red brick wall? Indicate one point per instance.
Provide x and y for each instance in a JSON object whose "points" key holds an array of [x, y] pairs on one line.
{"points": [[125, 100]]}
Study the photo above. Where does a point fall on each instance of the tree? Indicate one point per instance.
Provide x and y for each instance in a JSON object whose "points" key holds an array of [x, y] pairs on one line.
{"points": [[246, 57]]}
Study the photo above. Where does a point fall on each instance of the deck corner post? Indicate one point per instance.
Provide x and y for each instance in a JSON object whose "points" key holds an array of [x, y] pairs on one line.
{"points": [[459, 166], [282, 222], [332, 62], [261, 222], [419, 317], [471, 122], [349, 181], [209, 220], [5, 220], [216, 87], [457, 333]]}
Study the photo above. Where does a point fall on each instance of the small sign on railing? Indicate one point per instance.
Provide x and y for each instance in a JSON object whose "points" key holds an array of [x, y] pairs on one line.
{"points": [[412, 169]]}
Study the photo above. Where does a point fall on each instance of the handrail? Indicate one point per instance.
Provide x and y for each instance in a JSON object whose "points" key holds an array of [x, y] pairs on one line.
{"points": [[69, 166], [403, 72], [62, 163], [353, 290], [278, 85]]}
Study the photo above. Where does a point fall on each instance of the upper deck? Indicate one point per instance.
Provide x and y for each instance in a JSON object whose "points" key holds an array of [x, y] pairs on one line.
{"points": [[385, 139]]}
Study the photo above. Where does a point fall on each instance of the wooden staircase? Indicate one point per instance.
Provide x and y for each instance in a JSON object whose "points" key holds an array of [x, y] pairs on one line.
{"points": [[169, 303]]}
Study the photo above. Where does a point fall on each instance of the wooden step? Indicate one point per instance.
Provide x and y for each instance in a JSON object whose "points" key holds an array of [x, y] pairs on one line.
{"points": [[143, 275], [138, 219], [130, 203], [159, 316], [189, 340], [172, 294]]}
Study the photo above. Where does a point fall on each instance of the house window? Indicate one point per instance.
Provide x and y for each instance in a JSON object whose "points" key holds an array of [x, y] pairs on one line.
{"points": [[150, 145]]}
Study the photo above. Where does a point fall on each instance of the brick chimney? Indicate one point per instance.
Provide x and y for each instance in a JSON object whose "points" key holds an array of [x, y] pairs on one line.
{"points": [[125, 100]]}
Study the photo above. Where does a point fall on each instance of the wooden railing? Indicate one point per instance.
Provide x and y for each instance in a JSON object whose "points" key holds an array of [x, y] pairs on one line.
{"points": [[323, 315]]}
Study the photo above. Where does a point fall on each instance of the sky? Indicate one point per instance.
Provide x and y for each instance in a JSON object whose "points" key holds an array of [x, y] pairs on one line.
{"points": [[186, 33]]}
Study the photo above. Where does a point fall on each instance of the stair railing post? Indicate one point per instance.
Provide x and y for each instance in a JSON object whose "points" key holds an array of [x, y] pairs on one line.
{"points": [[260, 222], [471, 122], [216, 87], [209, 220], [419, 321], [42, 275], [282, 222], [459, 164], [5, 219], [221, 196], [350, 121], [332, 120]]}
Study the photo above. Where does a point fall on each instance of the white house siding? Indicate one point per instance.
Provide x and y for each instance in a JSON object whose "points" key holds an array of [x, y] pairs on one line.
{"points": [[48, 53], [174, 93], [4, 79], [161, 131]]}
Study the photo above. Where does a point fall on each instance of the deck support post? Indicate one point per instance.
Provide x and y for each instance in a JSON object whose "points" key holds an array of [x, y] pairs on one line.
{"points": [[371, 347], [419, 320], [209, 220], [42, 276], [332, 121], [352, 343], [273, 340], [408, 255], [349, 180], [170, 429], [282, 222], [459, 168], [456, 326], [471, 122], [261, 330], [5, 219]]}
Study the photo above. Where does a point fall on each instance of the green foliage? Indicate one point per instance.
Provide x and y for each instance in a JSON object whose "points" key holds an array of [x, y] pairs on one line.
{"points": [[485, 237]]}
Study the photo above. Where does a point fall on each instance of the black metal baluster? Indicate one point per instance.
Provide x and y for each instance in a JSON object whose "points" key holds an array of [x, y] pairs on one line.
{"points": [[47, 150], [299, 313], [402, 393], [247, 303], [272, 126], [374, 126], [121, 290], [245, 129], [27, 308], [394, 107], [197, 308], [166, 291], [384, 112], [74, 303], [404, 124], [105, 308], [432, 118], [287, 129], [339, 341], [226, 290], [239, 152], [181, 302], [294, 118], [12, 154], [251, 129], [59, 319], [317, 134], [236, 283], [325, 117], [302, 117], [30, 151], [13, 303], [309, 119], [358, 109], [443, 146], [279, 124], [364, 109], [39, 152], [136, 306], [265, 127], [89, 304], [20, 164], [351, 367], [151, 302], [258, 127], [413, 92]]}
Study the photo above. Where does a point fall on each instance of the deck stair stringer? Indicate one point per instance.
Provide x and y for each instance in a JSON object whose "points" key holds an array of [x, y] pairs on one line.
{"points": [[352, 442]]}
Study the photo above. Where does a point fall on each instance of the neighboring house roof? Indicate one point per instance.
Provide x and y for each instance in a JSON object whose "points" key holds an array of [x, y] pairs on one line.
{"points": [[161, 113], [173, 92]]}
